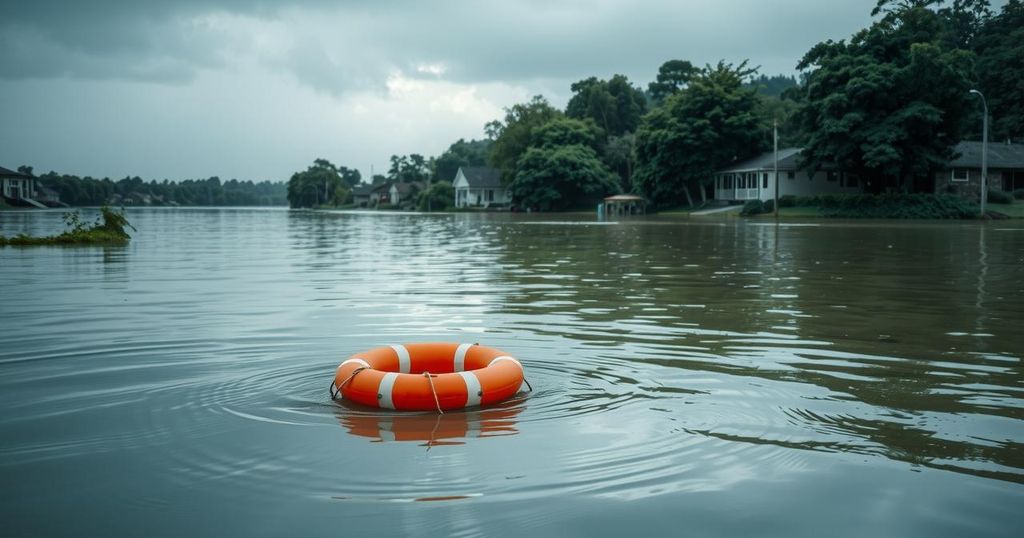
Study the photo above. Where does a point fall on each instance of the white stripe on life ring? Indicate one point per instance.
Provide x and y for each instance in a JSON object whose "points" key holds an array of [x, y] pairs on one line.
{"points": [[460, 357], [506, 358], [473, 391], [387, 384], [404, 362], [360, 362]]}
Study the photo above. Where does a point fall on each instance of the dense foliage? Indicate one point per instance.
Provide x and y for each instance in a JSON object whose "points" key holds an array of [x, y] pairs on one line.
{"points": [[889, 104], [322, 184], [88, 191], [439, 196], [109, 229], [709, 124], [1000, 68], [459, 154], [512, 137], [614, 105]]}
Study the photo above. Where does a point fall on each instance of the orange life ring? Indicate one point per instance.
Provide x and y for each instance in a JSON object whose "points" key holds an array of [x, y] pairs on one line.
{"points": [[430, 376]]}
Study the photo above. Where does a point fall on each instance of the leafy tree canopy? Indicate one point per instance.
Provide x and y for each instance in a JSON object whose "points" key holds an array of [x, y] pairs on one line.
{"points": [[408, 168], [554, 178], [615, 105], [673, 77], [512, 137], [890, 103], [319, 184], [1000, 69], [711, 123], [459, 154]]}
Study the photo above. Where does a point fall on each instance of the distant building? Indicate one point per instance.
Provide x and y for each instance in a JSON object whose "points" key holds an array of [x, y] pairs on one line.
{"points": [[404, 193], [18, 188], [361, 194], [480, 186], [963, 175], [381, 194]]}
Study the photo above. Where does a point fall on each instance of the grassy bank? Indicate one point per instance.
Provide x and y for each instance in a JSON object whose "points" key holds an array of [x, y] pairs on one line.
{"points": [[109, 229]]}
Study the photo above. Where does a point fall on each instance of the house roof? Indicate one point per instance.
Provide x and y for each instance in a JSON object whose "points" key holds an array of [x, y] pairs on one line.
{"points": [[405, 188], [4, 172], [480, 177], [1000, 155], [788, 158], [624, 198], [386, 186], [362, 189]]}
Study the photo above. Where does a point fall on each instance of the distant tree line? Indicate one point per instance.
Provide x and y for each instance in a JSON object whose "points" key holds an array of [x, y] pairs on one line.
{"points": [[89, 191]]}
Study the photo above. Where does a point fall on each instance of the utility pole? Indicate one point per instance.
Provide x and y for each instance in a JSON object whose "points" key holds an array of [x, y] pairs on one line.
{"points": [[775, 136], [984, 152]]}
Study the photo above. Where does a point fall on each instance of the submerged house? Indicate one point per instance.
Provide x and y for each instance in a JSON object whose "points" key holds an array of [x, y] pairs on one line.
{"points": [[754, 179], [480, 186], [404, 193], [963, 175], [19, 188], [361, 194]]}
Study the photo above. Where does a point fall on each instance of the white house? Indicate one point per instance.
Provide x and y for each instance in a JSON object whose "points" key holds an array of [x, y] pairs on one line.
{"points": [[19, 188], [480, 186], [754, 179]]}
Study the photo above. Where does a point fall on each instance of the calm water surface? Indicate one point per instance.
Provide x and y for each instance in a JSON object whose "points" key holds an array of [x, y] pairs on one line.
{"points": [[690, 377]]}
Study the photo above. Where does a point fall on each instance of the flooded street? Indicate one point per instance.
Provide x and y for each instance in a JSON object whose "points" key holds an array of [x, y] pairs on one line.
{"points": [[715, 376]]}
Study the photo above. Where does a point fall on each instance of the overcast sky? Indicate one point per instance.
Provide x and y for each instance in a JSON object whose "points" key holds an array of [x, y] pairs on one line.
{"points": [[258, 89]]}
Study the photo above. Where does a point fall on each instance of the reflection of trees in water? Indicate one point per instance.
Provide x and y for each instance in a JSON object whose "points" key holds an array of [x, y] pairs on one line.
{"points": [[863, 311]]}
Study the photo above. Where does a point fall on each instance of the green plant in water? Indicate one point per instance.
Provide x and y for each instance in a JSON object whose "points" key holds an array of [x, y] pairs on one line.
{"points": [[109, 229]]}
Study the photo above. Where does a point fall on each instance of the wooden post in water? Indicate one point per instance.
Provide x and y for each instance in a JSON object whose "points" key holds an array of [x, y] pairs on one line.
{"points": [[775, 136]]}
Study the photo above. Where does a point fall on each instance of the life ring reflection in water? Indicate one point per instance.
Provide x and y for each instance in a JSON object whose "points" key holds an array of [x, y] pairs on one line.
{"points": [[428, 376], [433, 429]]}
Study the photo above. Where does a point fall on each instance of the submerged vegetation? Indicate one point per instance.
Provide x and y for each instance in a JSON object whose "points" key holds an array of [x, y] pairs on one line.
{"points": [[109, 229]]}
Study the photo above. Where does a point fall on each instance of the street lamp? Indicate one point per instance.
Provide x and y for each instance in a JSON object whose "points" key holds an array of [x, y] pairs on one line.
{"points": [[984, 152]]}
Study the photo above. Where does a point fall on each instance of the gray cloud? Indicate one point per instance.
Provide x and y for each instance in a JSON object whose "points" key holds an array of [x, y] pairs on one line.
{"points": [[335, 47]]}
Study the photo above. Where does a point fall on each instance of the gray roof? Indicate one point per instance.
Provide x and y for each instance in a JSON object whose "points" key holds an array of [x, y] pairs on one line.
{"points": [[1000, 155], [362, 189], [788, 158], [4, 172], [482, 177]]}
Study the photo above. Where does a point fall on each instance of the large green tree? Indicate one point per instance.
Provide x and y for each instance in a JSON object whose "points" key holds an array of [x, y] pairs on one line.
{"points": [[673, 77], [319, 184], [561, 169], [615, 104], [408, 168], [890, 103], [512, 136], [459, 154], [711, 123], [1000, 69]]}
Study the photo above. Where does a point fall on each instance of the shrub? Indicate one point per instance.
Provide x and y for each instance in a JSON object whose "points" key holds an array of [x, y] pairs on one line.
{"points": [[999, 197], [768, 206], [787, 200], [1019, 194], [898, 206], [752, 207]]}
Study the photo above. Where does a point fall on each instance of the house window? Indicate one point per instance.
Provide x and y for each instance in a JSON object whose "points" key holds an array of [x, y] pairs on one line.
{"points": [[791, 175], [727, 182], [961, 174], [490, 195], [764, 178]]}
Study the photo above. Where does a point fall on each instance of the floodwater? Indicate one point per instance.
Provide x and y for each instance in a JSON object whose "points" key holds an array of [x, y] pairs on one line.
{"points": [[691, 377]]}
